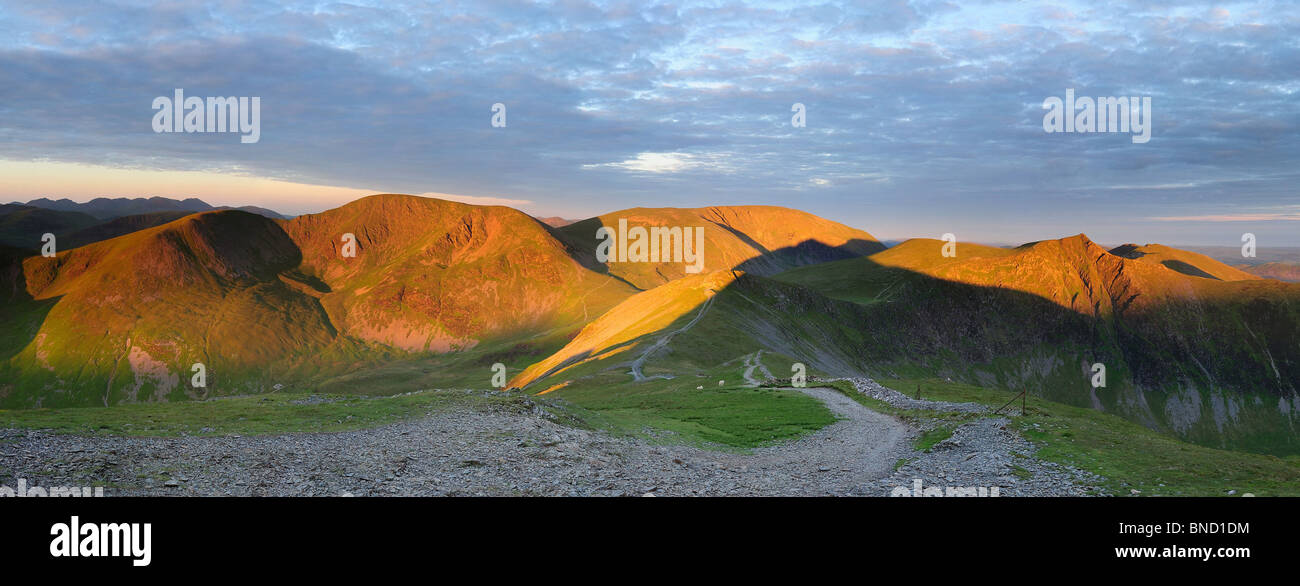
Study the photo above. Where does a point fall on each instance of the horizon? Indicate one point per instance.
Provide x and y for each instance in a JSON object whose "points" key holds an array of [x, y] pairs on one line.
{"points": [[923, 117], [887, 240]]}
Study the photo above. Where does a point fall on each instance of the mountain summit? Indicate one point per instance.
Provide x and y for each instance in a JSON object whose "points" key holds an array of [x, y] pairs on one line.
{"points": [[385, 278]]}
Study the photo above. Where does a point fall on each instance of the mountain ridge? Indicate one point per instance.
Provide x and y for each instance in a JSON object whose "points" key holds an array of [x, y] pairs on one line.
{"points": [[107, 208], [234, 290], [444, 285]]}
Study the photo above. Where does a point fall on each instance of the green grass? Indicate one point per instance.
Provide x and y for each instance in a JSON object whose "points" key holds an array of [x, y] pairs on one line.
{"points": [[247, 415], [929, 438], [729, 416], [1129, 456]]}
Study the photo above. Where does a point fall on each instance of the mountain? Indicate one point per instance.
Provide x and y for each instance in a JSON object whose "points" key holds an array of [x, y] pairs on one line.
{"points": [[22, 226], [555, 221], [124, 319], [1183, 261], [435, 275], [263, 302], [436, 293], [105, 208], [1209, 360], [1201, 358], [117, 227], [762, 240]]}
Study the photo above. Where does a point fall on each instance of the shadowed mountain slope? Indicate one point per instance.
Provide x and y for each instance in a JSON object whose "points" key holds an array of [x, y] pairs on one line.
{"points": [[117, 227], [695, 323], [125, 318], [22, 226], [762, 240], [1209, 360]]}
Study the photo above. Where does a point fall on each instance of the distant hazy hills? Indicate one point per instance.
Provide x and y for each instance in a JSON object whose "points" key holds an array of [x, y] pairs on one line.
{"points": [[105, 208], [555, 221], [76, 224], [1271, 262], [22, 226], [1282, 271], [1183, 261]]}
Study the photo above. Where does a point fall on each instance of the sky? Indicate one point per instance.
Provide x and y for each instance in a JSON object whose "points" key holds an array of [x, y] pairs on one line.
{"points": [[922, 117]]}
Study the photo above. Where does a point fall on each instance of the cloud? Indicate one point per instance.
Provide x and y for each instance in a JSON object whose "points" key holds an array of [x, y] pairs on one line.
{"points": [[655, 163], [914, 108], [1294, 217]]}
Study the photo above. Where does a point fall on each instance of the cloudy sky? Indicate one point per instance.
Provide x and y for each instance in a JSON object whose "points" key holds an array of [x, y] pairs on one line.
{"points": [[923, 117]]}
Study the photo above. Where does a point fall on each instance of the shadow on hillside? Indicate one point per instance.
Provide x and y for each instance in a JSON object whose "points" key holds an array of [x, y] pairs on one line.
{"points": [[580, 242], [21, 314], [889, 318], [808, 252]]}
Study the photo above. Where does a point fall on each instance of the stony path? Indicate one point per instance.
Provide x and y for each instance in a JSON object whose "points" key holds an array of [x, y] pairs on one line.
{"points": [[524, 451], [755, 362], [663, 341]]}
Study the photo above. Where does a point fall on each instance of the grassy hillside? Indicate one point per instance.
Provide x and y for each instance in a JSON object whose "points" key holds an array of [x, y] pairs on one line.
{"points": [[695, 323], [670, 363], [268, 413], [124, 319], [434, 275], [1207, 360]]}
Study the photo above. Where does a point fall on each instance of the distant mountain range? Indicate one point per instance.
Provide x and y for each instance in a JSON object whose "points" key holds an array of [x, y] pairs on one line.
{"points": [[438, 291], [1272, 262], [75, 224], [105, 208], [555, 221], [1282, 271]]}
